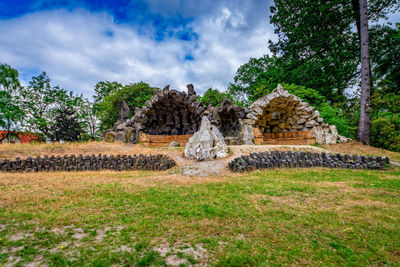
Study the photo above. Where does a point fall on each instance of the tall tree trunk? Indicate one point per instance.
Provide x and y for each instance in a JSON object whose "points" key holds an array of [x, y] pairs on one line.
{"points": [[364, 124]]}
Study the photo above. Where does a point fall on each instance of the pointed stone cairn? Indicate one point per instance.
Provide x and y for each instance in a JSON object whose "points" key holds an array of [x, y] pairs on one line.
{"points": [[206, 144]]}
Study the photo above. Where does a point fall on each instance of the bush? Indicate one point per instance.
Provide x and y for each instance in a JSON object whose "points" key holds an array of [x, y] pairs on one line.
{"points": [[213, 97], [334, 116], [135, 95], [385, 132]]}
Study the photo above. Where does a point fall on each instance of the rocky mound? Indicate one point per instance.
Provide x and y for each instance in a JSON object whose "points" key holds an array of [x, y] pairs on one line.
{"points": [[206, 144]]}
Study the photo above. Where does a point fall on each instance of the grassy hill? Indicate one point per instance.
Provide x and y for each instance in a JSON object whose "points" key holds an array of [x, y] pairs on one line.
{"points": [[289, 216]]}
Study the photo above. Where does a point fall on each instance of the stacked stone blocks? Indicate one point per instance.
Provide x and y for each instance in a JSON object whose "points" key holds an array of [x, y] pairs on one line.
{"points": [[289, 159], [87, 163]]}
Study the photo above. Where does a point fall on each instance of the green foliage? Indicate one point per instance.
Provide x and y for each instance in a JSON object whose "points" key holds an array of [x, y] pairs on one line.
{"points": [[135, 95], [334, 116], [385, 131], [255, 78], [11, 114], [317, 47], [309, 95], [66, 126], [9, 81], [103, 89], [213, 97]]}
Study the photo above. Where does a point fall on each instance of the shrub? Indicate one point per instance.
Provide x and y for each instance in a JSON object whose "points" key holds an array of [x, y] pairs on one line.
{"points": [[385, 131]]}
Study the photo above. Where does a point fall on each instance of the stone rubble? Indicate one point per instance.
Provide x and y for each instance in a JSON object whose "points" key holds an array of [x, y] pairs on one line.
{"points": [[206, 144], [289, 159]]}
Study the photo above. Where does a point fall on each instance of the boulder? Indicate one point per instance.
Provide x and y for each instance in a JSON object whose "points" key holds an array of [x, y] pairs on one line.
{"points": [[109, 136], [121, 126], [343, 139], [120, 137], [129, 134], [174, 144], [123, 111], [206, 144]]}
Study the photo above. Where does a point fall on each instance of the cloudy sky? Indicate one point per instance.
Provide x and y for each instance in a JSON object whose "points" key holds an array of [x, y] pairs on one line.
{"points": [[81, 42]]}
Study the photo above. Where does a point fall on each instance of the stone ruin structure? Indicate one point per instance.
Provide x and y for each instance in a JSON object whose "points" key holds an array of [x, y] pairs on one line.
{"points": [[174, 116], [170, 112], [228, 119], [123, 130], [284, 118], [206, 144]]}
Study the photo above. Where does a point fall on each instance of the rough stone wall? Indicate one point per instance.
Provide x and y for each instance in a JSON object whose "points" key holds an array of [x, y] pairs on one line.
{"points": [[170, 112], [228, 119], [284, 112], [87, 163], [163, 140], [288, 159]]}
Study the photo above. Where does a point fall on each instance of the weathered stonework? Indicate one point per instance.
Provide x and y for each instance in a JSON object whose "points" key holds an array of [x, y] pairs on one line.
{"points": [[228, 119], [206, 144], [87, 163], [281, 112], [170, 112], [163, 140], [289, 159], [171, 115]]}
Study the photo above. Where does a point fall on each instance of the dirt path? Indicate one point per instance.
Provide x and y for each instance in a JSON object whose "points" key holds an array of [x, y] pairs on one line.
{"points": [[219, 167]]}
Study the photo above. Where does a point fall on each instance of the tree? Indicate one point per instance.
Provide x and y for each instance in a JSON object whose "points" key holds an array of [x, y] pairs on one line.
{"points": [[9, 79], [363, 134], [316, 44], [134, 94], [385, 93], [213, 97], [10, 113], [66, 126], [41, 101], [256, 78], [88, 120], [103, 89]]}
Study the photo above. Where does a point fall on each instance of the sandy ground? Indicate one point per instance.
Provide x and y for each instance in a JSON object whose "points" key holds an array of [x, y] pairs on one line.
{"points": [[219, 167]]}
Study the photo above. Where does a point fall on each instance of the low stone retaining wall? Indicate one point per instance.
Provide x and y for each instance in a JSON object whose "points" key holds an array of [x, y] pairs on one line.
{"points": [[163, 140], [288, 159], [87, 163], [284, 138]]}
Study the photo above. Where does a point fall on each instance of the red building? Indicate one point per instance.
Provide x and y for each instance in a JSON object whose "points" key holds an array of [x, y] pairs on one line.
{"points": [[20, 137]]}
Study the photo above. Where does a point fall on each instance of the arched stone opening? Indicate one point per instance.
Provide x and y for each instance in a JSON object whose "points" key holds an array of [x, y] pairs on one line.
{"points": [[170, 112], [284, 118], [227, 118], [168, 116]]}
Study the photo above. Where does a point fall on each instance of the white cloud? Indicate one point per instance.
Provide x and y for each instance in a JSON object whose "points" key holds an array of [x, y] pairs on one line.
{"points": [[76, 50]]}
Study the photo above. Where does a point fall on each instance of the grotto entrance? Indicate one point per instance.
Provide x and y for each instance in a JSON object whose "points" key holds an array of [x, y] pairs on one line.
{"points": [[168, 116], [283, 118], [227, 118]]}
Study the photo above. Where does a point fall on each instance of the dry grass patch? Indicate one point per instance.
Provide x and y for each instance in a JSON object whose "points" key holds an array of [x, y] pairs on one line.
{"points": [[10, 151], [360, 149]]}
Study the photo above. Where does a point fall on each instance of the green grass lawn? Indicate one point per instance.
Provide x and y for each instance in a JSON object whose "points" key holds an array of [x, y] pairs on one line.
{"points": [[296, 216]]}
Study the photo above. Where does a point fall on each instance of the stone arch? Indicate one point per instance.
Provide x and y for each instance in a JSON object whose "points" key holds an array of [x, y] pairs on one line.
{"points": [[228, 119], [285, 117], [170, 112]]}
